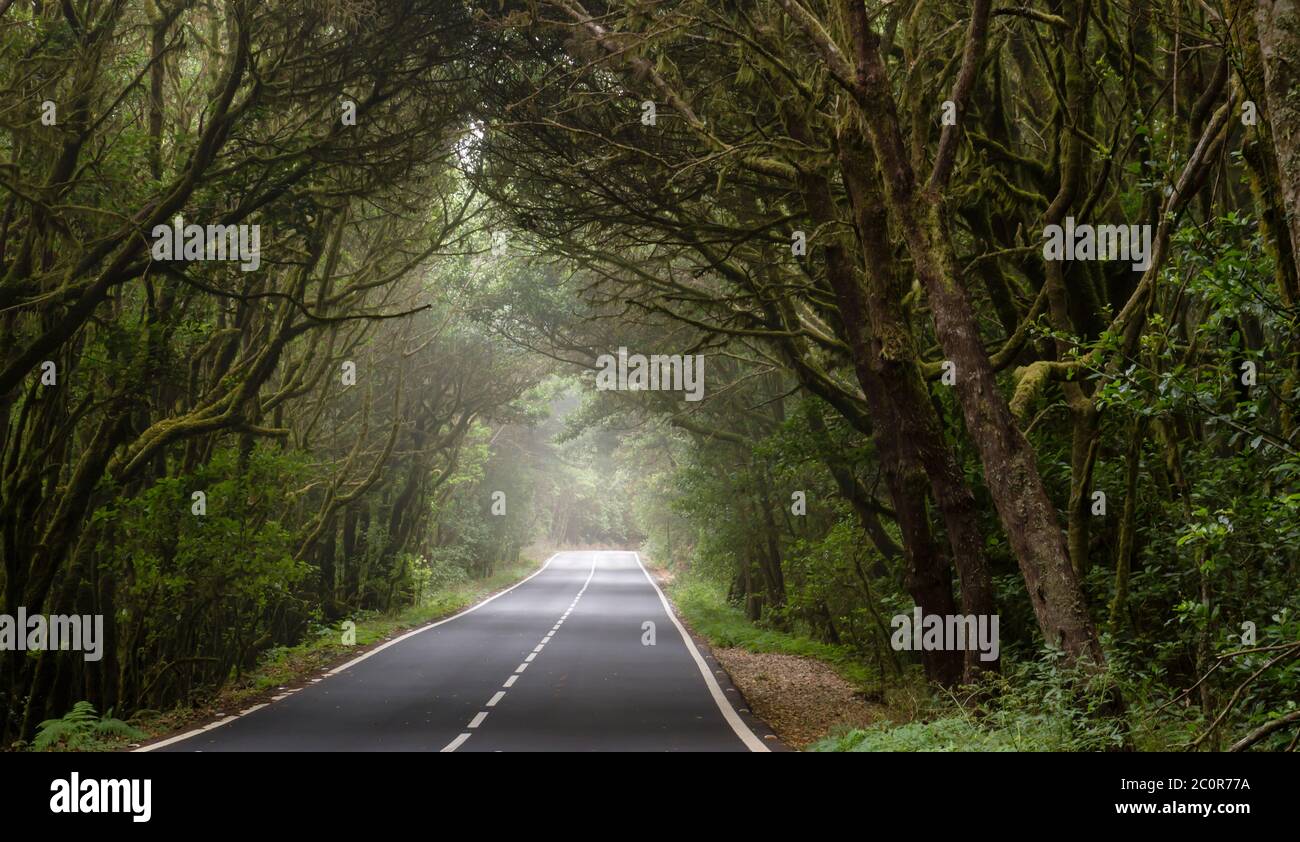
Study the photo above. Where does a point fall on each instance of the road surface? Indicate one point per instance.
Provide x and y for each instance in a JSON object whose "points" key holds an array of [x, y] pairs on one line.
{"points": [[556, 663]]}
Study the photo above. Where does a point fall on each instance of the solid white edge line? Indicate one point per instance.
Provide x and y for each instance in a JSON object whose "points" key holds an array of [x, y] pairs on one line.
{"points": [[414, 632], [171, 740], [375, 651], [748, 737]]}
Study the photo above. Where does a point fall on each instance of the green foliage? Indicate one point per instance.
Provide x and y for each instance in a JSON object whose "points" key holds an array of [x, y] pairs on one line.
{"points": [[1035, 706], [703, 604], [328, 500], [82, 729]]}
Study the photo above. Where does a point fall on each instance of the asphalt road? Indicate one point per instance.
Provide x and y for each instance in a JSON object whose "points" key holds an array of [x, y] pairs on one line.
{"points": [[556, 663]]}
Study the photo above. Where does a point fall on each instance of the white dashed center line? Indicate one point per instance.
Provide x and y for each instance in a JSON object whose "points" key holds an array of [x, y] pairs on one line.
{"points": [[455, 744], [500, 694]]}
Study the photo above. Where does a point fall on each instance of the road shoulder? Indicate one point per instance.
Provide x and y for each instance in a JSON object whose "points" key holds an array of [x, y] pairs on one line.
{"points": [[733, 694], [800, 699]]}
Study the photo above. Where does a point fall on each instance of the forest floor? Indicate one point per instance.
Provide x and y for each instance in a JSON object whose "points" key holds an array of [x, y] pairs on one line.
{"points": [[282, 669], [801, 698], [803, 689]]}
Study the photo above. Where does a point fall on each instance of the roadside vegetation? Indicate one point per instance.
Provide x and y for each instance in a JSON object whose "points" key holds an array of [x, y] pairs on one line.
{"points": [[323, 648], [705, 609], [845, 218]]}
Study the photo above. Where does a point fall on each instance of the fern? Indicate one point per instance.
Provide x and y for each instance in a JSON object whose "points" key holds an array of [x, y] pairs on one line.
{"points": [[80, 728]]}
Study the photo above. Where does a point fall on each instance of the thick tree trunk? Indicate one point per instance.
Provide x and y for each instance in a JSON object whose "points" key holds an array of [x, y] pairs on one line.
{"points": [[1268, 38], [1278, 26], [893, 355], [928, 576], [1010, 464], [905, 426]]}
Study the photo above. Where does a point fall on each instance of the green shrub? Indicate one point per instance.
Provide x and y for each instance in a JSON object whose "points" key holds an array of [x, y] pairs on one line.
{"points": [[1035, 706], [82, 729]]}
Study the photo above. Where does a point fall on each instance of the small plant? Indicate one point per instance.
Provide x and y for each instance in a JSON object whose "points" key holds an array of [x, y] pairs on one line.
{"points": [[1038, 705], [81, 728]]}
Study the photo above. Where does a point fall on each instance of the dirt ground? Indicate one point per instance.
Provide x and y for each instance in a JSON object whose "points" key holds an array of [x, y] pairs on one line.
{"points": [[800, 698]]}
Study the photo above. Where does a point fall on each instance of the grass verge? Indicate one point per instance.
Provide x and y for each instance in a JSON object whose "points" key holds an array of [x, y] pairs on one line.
{"points": [[1032, 705], [705, 608]]}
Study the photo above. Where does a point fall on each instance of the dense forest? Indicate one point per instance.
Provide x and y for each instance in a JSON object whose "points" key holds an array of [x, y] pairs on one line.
{"points": [[996, 306]]}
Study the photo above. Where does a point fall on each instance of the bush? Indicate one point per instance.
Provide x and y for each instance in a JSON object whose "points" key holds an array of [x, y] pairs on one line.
{"points": [[82, 729], [1036, 706]]}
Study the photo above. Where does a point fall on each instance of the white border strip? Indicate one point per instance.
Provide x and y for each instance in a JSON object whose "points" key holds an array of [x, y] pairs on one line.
{"points": [[751, 741], [178, 738]]}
